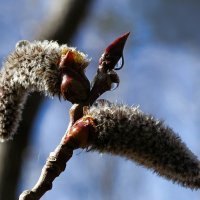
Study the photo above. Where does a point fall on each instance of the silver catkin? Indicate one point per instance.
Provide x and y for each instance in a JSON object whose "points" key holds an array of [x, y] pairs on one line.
{"points": [[128, 132], [33, 66]]}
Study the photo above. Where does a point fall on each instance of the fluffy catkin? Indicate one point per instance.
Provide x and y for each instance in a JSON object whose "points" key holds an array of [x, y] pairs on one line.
{"points": [[128, 132], [33, 66]]}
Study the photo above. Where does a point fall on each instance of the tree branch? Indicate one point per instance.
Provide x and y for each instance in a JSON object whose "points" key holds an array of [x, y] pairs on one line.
{"points": [[78, 135], [127, 132], [115, 129], [62, 20], [81, 130]]}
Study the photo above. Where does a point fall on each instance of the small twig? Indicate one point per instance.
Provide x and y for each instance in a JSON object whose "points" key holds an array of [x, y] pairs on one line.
{"points": [[55, 164], [81, 130], [78, 135]]}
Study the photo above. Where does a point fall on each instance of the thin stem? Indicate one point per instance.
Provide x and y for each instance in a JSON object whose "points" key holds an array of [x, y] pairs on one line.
{"points": [[55, 164], [56, 161], [81, 130]]}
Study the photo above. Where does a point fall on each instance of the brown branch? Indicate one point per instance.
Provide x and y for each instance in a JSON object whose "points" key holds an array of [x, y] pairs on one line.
{"points": [[62, 19], [78, 136], [12, 152], [82, 129], [124, 131], [55, 164]]}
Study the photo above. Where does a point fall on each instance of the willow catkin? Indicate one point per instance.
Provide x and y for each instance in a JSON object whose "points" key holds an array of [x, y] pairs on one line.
{"points": [[33, 66], [128, 132]]}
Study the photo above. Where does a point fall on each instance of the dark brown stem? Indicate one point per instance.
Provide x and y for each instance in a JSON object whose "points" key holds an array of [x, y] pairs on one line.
{"points": [[82, 129], [77, 136], [55, 164]]}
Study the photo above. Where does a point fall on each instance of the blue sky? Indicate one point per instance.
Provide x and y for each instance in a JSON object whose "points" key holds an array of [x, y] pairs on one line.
{"points": [[161, 74]]}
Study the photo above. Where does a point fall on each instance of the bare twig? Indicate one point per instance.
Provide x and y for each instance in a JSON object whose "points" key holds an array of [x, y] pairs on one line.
{"points": [[62, 19], [56, 162], [81, 130], [127, 132], [116, 129]]}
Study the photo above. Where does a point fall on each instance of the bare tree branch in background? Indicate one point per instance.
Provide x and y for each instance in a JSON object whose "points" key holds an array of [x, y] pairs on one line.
{"points": [[61, 26], [65, 19]]}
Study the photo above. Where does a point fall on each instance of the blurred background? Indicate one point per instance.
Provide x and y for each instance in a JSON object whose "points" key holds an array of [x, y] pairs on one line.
{"points": [[161, 74]]}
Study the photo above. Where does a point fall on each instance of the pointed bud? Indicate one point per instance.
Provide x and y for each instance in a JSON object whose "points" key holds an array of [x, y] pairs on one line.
{"points": [[75, 86], [117, 46], [81, 133], [113, 53]]}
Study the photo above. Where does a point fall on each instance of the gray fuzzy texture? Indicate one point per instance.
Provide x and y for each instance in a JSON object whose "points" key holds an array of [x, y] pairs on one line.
{"points": [[128, 132], [33, 66]]}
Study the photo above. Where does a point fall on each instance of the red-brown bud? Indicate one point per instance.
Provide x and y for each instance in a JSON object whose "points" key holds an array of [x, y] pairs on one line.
{"points": [[106, 77], [81, 132], [113, 53], [75, 86]]}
